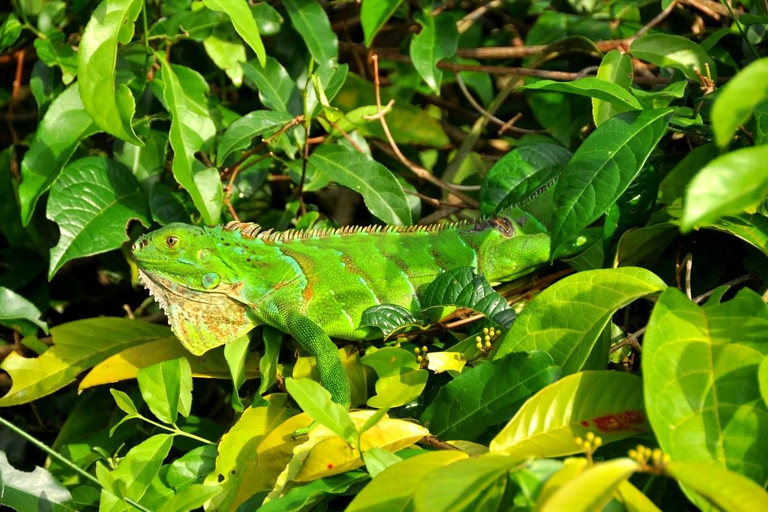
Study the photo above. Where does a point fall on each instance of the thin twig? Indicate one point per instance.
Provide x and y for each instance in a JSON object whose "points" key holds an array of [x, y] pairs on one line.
{"points": [[290, 124], [433, 442], [508, 125], [655, 21], [346, 136], [466, 22]]}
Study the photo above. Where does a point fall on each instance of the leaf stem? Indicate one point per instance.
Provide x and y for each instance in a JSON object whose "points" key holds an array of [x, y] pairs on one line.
{"points": [[740, 28], [52, 453], [176, 431]]}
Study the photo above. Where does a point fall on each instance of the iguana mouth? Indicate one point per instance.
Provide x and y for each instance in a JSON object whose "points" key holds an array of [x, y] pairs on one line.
{"points": [[167, 292]]}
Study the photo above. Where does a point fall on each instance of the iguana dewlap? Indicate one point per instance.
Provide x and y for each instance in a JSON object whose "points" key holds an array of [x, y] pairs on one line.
{"points": [[217, 283]]}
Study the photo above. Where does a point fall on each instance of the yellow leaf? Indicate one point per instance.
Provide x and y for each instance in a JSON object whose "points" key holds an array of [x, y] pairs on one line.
{"points": [[254, 452], [126, 364], [470, 448], [444, 361], [331, 455], [573, 467], [360, 376]]}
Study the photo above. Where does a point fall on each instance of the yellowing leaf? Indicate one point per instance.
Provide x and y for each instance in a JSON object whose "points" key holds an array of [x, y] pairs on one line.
{"points": [[254, 452], [446, 361], [328, 454], [572, 468], [360, 376], [126, 364], [76, 346]]}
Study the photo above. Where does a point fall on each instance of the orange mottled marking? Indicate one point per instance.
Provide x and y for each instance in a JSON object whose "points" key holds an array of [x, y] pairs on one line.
{"points": [[628, 420]]}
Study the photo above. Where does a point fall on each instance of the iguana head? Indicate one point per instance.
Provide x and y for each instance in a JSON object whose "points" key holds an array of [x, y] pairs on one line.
{"points": [[199, 292]]}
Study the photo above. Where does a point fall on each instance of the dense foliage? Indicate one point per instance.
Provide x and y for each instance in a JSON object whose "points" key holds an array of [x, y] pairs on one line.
{"points": [[633, 376]]}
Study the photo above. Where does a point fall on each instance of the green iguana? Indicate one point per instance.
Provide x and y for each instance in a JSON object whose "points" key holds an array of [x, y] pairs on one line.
{"points": [[217, 283]]}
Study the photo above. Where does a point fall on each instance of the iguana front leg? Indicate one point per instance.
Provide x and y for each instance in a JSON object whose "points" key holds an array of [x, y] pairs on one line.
{"points": [[332, 374]]}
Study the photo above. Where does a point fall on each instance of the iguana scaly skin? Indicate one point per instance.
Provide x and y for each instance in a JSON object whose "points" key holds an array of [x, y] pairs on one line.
{"points": [[217, 283]]}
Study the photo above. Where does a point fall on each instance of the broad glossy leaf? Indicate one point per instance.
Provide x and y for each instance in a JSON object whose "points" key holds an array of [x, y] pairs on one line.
{"points": [[607, 403], [674, 184], [437, 40], [566, 319], [643, 245], [379, 459], [269, 360], [190, 498], [446, 361], [660, 98], [54, 51], [381, 192], [487, 395], [572, 467], [761, 123], [307, 495], [192, 467], [18, 313], [729, 184], [255, 451], [227, 55], [236, 353], [700, 367], [124, 402], [520, 173], [737, 99], [471, 484], [276, 89], [326, 454], [92, 202], [62, 128], [634, 500], [110, 105], [463, 288], [127, 363], [168, 206], [146, 162], [592, 88], [390, 318], [316, 401], [167, 388], [374, 15], [602, 169], [401, 378], [593, 488], [243, 21], [615, 68], [32, 490], [76, 346], [240, 133], [358, 374], [733, 492], [672, 51], [135, 472], [393, 489], [11, 29], [753, 229], [267, 18], [312, 23], [762, 378], [191, 129]]}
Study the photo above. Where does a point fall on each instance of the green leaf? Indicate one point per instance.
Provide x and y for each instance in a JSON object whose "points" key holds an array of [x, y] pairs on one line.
{"points": [[146, 162], [592, 489], [711, 353], [316, 401], [670, 51], [643, 245], [390, 318], [470, 484], [602, 169], [674, 184], [761, 124], [566, 319], [167, 206], [378, 459], [62, 128], [54, 51], [240, 133], [243, 21], [107, 197], [135, 472], [191, 129], [190, 498], [236, 353], [729, 184], [463, 288], [11, 30], [35, 490], [615, 68], [519, 174], [19, 314], [268, 364], [276, 89], [392, 490], [374, 15], [76, 346], [607, 403], [110, 105], [592, 88], [762, 378], [733, 492], [192, 467], [401, 378], [267, 18], [438, 40], [487, 395], [167, 388], [92, 202], [124, 402], [304, 497], [311, 22], [227, 55], [753, 229], [737, 100], [381, 192]]}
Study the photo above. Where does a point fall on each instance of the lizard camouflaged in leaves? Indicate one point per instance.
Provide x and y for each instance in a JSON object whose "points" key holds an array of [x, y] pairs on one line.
{"points": [[217, 283]]}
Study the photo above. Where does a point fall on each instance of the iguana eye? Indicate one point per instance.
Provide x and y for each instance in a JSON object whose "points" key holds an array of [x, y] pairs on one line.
{"points": [[171, 241]]}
